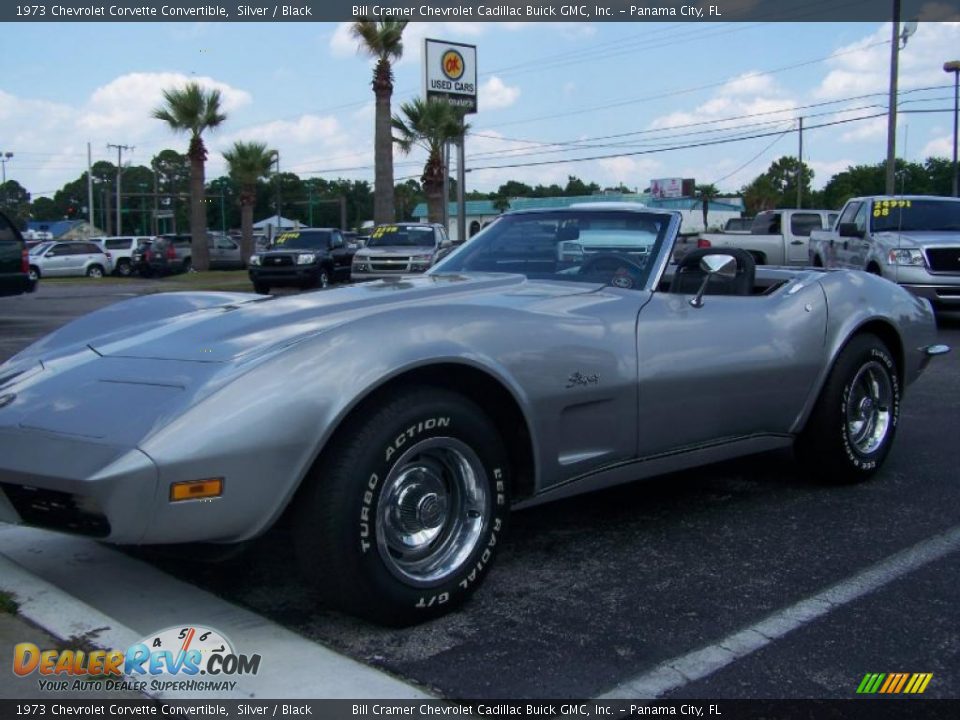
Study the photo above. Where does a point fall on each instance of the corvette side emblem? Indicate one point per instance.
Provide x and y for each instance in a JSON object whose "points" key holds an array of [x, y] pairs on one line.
{"points": [[7, 399]]}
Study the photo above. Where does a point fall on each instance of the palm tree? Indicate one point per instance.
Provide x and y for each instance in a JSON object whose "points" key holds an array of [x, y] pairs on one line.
{"points": [[706, 193], [384, 41], [429, 124], [248, 163], [193, 110]]}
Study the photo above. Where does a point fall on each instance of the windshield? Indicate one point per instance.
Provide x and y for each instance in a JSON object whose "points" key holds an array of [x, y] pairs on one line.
{"points": [[614, 247], [38, 249], [302, 240], [401, 235], [913, 215]]}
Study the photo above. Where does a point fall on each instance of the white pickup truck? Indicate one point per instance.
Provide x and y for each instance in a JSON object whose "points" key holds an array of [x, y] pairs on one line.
{"points": [[913, 240], [777, 237]]}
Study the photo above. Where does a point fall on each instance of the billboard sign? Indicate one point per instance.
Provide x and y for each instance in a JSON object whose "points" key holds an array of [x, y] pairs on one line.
{"points": [[450, 73], [666, 188]]}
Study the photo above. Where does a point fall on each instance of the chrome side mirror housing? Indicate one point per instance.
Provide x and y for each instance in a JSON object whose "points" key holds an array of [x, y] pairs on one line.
{"points": [[719, 265]]}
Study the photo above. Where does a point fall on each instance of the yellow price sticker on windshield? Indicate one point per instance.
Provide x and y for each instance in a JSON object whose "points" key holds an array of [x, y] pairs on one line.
{"points": [[283, 237]]}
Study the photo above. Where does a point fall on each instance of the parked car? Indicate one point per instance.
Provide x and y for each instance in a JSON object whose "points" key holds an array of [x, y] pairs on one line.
{"points": [[400, 249], [121, 251], [169, 254], [394, 424], [164, 255], [15, 276], [69, 258], [777, 237], [913, 240], [314, 257]]}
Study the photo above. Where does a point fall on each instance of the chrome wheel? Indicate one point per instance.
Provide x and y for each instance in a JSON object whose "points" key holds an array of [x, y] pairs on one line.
{"points": [[324, 279], [433, 508], [869, 408], [95, 272]]}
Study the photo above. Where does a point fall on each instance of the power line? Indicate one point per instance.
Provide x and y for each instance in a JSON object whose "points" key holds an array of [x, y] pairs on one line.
{"points": [[688, 146]]}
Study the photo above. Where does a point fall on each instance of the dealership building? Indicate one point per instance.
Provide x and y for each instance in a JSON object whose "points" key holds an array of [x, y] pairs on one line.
{"points": [[480, 212]]}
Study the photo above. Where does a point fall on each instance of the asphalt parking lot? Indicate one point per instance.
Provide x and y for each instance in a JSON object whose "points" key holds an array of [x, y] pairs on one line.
{"points": [[593, 593]]}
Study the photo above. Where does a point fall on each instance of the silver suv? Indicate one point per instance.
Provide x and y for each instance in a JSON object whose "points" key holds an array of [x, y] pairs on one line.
{"points": [[121, 251], [72, 257]]}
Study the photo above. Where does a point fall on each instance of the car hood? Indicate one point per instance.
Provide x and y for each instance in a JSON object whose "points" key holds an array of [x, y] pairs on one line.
{"points": [[922, 238], [250, 325], [396, 250]]}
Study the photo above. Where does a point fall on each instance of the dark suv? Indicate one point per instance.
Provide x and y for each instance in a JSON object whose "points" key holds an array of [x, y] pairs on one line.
{"points": [[303, 258], [14, 260], [163, 255]]}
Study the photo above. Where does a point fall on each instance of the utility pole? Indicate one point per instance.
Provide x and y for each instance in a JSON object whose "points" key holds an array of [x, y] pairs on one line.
{"points": [[892, 102], [90, 187], [800, 167], [461, 181], [120, 149]]}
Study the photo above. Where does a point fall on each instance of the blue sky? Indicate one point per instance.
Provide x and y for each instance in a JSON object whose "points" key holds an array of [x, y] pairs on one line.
{"points": [[303, 89]]}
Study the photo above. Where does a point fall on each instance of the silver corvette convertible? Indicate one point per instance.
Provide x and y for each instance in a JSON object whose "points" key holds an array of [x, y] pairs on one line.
{"points": [[397, 422]]}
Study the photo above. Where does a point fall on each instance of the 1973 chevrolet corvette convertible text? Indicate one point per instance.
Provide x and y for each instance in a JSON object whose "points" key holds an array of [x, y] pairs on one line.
{"points": [[398, 421]]}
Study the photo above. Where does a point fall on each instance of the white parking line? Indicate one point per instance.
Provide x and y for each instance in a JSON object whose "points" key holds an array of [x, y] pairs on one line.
{"points": [[698, 664], [71, 586]]}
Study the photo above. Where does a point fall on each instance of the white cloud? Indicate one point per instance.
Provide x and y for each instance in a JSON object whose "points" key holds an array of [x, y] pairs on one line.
{"points": [[496, 94], [124, 103], [864, 66], [750, 83], [938, 147]]}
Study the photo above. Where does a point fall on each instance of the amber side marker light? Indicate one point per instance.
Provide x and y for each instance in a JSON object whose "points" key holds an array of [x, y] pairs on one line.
{"points": [[196, 489]]}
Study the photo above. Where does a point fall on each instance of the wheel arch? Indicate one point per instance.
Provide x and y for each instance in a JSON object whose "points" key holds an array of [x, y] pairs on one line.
{"points": [[482, 387], [879, 327]]}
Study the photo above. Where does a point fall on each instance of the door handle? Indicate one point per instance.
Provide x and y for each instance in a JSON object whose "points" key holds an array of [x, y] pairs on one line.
{"points": [[797, 242]]}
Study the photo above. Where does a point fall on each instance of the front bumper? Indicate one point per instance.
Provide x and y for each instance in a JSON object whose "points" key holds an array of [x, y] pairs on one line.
{"points": [[287, 275], [941, 289], [364, 275], [77, 486]]}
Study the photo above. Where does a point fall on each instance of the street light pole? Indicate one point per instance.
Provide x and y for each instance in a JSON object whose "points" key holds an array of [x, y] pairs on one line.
{"points": [[954, 67]]}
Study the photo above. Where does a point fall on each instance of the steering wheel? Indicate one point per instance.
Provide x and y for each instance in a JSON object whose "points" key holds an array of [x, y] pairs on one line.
{"points": [[627, 272]]}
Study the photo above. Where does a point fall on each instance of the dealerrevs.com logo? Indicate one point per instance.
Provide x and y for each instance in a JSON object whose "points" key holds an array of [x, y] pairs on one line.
{"points": [[180, 658]]}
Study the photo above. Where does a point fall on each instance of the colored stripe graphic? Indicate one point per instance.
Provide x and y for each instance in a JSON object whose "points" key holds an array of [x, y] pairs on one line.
{"points": [[894, 683]]}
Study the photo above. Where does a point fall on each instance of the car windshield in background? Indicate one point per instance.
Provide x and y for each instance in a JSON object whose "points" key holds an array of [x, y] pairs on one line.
{"points": [[585, 246], [302, 240], [907, 215], [401, 235], [38, 249]]}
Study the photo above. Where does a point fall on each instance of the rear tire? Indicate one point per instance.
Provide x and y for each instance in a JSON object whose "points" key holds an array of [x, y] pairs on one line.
{"points": [[853, 424], [95, 271], [400, 520], [124, 269]]}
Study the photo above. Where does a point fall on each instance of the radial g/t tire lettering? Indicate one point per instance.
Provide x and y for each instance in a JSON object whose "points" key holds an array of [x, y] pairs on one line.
{"points": [[852, 427]]}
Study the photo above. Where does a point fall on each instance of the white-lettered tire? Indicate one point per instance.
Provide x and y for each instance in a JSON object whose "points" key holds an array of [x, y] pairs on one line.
{"points": [[854, 422], [401, 519]]}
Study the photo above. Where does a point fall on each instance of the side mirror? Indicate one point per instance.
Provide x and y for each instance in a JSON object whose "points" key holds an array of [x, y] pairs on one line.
{"points": [[849, 229], [719, 265]]}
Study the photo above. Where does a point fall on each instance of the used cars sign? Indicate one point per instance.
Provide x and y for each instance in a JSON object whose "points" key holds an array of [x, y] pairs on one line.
{"points": [[451, 73]]}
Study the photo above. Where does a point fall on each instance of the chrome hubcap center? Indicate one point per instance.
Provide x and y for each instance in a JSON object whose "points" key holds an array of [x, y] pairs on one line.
{"points": [[433, 508]]}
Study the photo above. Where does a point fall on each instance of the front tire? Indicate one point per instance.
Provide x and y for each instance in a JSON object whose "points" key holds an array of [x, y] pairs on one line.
{"points": [[33, 274], [400, 521], [852, 427], [261, 288]]}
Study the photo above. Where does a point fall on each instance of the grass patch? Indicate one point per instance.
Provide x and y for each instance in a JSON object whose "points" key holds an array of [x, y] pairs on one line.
{"points": [[8, 604], [233, 280]]}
